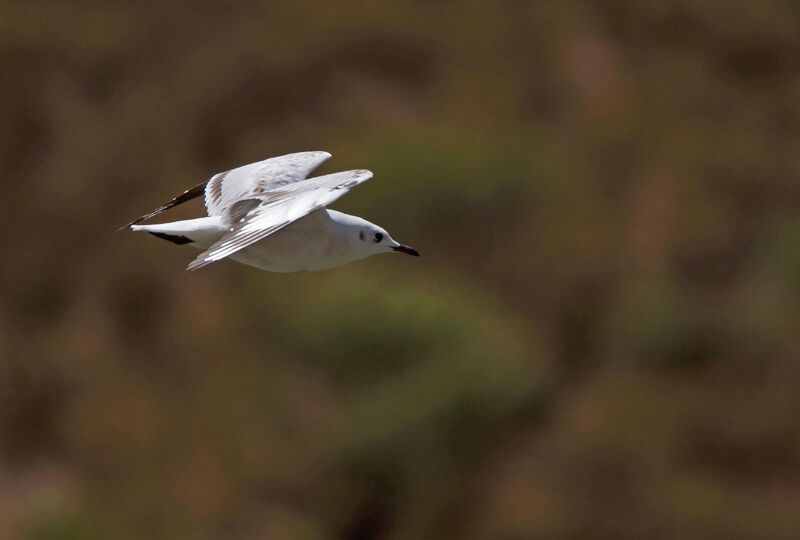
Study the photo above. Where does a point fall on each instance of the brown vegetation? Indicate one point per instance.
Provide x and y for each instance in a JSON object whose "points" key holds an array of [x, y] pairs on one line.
{"points": [[600, 339]]}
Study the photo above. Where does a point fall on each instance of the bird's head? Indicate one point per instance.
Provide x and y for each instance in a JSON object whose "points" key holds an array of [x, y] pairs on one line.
{"points": [[373, 240]]}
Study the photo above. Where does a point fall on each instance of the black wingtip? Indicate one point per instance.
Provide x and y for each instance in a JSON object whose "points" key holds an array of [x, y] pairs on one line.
{"points": [[129, 225], [187, 195], [174, 238]]}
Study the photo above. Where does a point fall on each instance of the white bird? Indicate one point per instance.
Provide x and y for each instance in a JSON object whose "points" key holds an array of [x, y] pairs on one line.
{"points": [[269, 215]]}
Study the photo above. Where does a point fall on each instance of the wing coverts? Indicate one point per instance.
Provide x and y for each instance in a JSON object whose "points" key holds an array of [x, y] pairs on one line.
{"points": [[278, 208]]}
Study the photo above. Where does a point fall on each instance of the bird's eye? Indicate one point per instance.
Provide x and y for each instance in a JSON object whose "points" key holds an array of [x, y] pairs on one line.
{"points": [[378, 236]]}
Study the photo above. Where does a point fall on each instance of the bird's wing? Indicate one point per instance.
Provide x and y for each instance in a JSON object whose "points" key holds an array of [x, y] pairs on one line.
{"points": [[225, 188], [279, 207], [187, 195], [255, 179]]}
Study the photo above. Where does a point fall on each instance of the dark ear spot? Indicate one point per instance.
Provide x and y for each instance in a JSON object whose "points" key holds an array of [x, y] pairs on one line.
{"points": [[361, 235]]}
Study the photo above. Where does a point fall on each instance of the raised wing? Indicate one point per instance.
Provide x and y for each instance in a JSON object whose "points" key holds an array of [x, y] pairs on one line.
{"points": [[224, 189], [256, 179], [278, 208]]}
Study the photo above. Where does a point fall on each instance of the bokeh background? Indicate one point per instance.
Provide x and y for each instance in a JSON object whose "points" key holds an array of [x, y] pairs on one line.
{"points": [[600, 339]]}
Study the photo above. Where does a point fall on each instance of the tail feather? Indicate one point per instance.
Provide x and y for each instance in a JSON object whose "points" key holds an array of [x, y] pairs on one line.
{"points": [[202, 231]]}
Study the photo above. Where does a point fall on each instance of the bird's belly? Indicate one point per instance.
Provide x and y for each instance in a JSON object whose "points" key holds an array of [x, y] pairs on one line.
{"points": [[292, 249]]}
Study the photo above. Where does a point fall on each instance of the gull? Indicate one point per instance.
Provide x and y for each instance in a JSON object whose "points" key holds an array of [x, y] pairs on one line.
{"points": [[270, 215]]}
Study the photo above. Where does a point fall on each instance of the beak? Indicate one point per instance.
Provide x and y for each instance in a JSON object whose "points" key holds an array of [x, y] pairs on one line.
{"points": [[407, 250]]}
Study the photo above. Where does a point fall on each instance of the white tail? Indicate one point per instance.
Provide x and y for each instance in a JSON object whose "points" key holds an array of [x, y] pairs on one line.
{"points": [[201, 231]]}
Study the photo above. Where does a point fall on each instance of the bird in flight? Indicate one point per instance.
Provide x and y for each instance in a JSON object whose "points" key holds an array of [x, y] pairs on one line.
{"points": [[270, 215]]}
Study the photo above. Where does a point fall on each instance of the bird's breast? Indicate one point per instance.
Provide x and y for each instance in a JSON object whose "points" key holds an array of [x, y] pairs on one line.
{"points": [[308, 244]]}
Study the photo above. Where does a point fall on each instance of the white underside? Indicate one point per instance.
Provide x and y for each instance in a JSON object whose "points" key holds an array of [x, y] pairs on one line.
{"points": [[314, 242]]}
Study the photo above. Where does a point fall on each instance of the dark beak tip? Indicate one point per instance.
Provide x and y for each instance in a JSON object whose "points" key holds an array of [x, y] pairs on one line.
{"points": [[407, 250]]}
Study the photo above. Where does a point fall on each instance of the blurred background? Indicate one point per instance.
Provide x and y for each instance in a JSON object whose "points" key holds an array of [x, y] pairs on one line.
{"points": [[600, 339]]}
